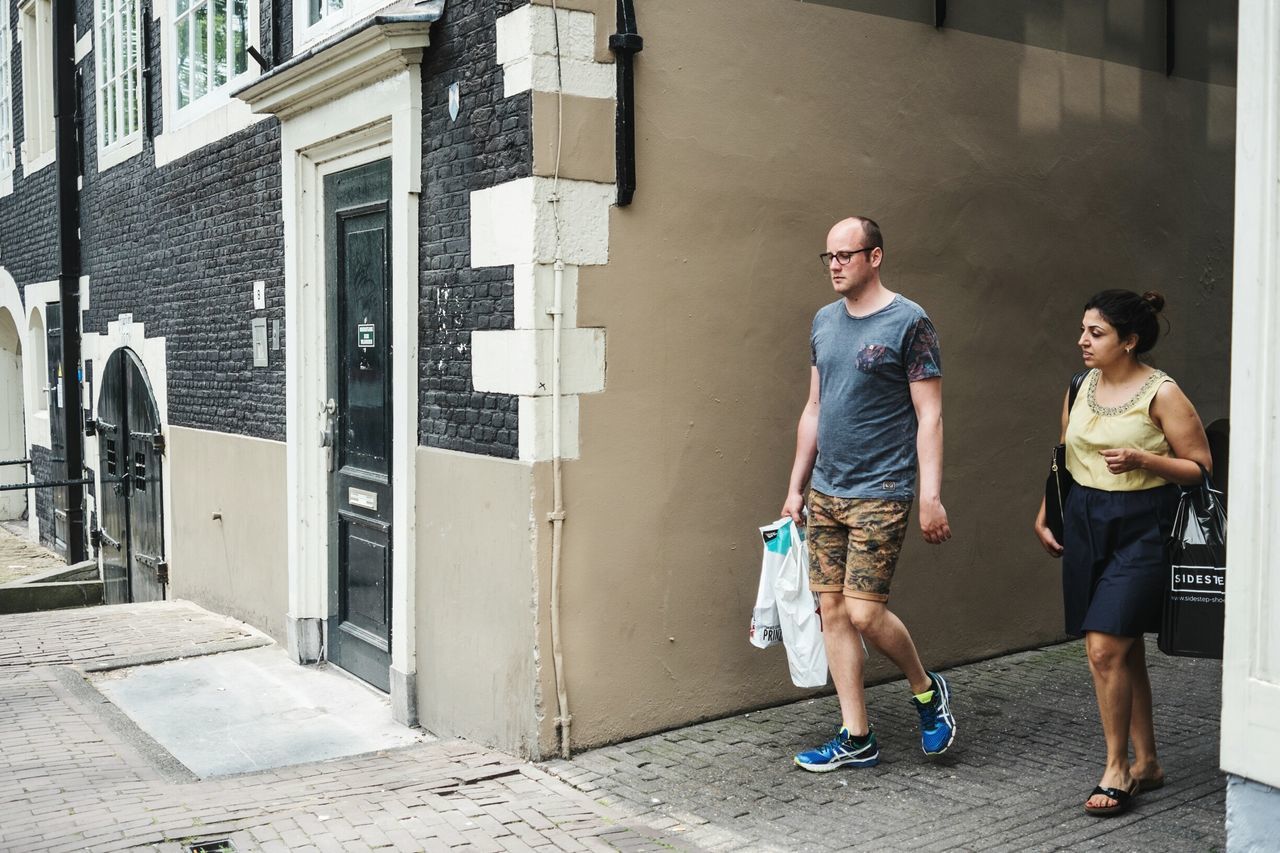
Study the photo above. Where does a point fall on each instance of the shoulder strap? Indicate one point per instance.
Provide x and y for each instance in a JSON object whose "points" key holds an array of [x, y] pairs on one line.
{"points": [[1074, 391]]}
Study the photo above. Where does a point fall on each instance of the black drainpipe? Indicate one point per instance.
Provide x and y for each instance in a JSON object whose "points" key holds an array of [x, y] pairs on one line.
{"points": [[66, 148], [625, 44]]}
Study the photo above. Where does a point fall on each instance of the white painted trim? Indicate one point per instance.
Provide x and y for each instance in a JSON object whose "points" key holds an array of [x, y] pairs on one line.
{"points": [[513, 223], [519, 361], [119, 153], [535, 293], [328, 125], [36, 295], [152, 352], [11, 304], [1251, 663], [84, 46], [526, 50], [227, 118], [30, 167]]}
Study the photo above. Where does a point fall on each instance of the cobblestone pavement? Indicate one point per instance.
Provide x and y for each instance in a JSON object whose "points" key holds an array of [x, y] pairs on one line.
{"points": [[76, 775], [1028, 750], [20, 558]]}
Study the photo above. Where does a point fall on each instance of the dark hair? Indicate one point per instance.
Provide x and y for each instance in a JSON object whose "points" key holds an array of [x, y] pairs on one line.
{"points": [[1130, 314], [871, 231]]}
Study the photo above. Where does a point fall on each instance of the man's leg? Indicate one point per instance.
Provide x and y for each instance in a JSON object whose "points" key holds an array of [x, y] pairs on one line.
{"points": [[844, 659], [884, 630]]}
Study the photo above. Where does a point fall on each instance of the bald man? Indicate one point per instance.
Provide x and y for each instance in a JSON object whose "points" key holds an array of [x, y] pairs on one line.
{"points": [[873, 416]]}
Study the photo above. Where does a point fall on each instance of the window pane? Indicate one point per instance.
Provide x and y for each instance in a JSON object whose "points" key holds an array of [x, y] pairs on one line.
{"points": [[183, 42], [219, 42], [316, 10], [200, 53], [183, 6], [240, 35]]}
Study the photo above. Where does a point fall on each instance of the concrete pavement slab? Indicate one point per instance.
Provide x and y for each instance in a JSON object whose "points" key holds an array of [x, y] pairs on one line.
{"points": [[250, 710]]}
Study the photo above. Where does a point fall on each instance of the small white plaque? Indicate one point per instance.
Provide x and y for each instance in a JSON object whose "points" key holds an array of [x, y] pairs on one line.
{"points": [[362, 498]]}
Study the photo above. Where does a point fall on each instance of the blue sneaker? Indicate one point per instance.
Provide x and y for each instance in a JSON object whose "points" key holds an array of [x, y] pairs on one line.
{"points": [[840, 751], [937, 725]]}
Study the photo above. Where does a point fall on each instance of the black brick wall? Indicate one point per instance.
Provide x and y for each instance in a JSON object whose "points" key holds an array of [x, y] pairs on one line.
{"points": [[178, 247], [490, 143], [42, 471]]}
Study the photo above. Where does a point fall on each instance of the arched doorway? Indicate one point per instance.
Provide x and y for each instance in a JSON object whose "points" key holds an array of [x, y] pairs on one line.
{"points": [[13, 433], [130, 453]]}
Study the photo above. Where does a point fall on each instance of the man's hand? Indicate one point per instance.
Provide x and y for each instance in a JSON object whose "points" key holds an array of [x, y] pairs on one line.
{"points": [[933, 522], [793, 508], [1123, 459]]}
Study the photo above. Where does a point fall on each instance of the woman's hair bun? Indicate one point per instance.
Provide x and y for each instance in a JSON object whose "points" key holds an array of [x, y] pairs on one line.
{"points": [[1155, 300]]}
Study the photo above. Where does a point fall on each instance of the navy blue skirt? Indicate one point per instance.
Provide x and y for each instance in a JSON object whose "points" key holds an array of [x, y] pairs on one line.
{"points": [[1114, 564]]}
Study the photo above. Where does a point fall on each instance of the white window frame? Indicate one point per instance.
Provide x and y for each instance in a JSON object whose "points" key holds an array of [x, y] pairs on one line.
{"points": [[8, 160], [125, 84], [306, 34], [213, 116], [35, 33]]}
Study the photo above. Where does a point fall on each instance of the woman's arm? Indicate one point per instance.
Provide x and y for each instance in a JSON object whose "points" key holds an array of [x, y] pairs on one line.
{"points": [[1173, 413], [1047, 540]]}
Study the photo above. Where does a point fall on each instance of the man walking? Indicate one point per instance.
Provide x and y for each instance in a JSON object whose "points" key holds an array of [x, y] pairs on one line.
{"points": [[874, 410]]}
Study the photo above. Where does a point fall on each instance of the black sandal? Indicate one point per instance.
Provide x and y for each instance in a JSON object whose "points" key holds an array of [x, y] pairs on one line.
{"points": [[1123, 798]]}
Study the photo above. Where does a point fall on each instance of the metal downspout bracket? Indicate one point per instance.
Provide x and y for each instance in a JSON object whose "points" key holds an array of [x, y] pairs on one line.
{"points": [[625, 44]]}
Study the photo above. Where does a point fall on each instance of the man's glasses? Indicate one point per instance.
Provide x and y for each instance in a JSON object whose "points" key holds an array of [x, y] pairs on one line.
{"points": [[842, 257]]}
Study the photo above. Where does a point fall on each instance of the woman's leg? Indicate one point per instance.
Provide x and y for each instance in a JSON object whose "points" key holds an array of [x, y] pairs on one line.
{"points": [[1113, 683], [1142, 732]]}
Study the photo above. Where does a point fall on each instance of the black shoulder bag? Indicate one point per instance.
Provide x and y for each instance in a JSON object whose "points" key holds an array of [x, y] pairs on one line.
{"points": [[1059, 481]]}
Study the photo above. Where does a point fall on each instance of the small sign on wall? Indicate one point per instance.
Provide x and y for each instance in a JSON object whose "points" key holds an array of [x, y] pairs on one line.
{"points": [[364, 336]]}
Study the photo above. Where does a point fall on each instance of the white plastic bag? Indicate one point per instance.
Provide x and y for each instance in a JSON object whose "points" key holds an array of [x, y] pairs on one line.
{"points": [[766, 630], [798, 613]]}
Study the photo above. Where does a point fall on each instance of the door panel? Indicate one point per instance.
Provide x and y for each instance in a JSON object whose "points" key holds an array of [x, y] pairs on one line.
{"points": [[357, 245], [131, 506], [146, 508], [57, 426]]}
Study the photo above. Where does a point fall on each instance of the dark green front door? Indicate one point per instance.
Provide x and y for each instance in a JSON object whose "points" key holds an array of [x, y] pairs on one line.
{"points": [[357, 265]]}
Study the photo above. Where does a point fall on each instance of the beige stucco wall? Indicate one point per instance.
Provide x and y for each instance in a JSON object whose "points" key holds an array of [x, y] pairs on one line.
{"points": [[477, 600], [237, 565], [1011, 182]]}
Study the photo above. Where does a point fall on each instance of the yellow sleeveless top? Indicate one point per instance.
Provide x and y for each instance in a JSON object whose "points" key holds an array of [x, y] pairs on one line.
{"points": [[1092, 428]]}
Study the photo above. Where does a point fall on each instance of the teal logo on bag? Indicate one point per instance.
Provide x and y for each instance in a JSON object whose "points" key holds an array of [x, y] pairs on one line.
{"points": [[778, 541]]}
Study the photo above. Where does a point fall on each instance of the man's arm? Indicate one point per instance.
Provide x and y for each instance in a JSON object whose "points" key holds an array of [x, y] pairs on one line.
{"points": [[806, 453], [926, 396]]}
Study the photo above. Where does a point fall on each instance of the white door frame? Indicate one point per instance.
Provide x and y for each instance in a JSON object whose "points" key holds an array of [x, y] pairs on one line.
{"points": [[356, 101]]}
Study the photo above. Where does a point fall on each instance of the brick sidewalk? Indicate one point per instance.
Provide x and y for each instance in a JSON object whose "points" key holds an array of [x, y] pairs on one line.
{"points": [[1027, 752], [75, 775], [22, 559]]}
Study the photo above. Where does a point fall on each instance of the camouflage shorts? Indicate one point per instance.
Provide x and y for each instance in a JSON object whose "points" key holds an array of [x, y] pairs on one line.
{"points": [[854, 544]]}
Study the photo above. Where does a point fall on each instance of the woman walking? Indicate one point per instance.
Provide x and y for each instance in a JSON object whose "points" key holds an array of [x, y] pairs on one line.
{"points": [[1131, 436]]}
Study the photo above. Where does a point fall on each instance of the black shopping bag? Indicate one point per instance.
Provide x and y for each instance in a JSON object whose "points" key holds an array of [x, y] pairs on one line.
{"points": [[1194, 606]]}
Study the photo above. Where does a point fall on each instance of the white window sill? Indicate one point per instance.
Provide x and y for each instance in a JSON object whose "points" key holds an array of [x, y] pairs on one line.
{"points": [[6, 185], [119, 152], [35, 164], [230, 117]]}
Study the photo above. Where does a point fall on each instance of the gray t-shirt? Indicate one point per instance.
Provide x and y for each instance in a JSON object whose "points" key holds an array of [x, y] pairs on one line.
{"points": [[867, 422]]}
